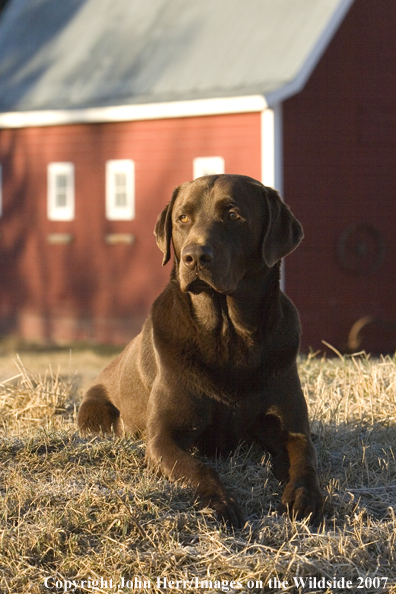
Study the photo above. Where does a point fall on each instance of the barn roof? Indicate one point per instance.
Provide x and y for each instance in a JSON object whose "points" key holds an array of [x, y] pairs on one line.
{"points": [[94, 53]]}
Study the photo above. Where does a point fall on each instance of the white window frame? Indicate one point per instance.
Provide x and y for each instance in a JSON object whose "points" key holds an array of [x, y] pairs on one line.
{"points": [[116, 212], [55, 211], [208, 166]]}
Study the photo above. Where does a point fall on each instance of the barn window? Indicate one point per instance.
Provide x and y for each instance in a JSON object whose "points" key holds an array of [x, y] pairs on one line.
{"points": [[120, 190], [208, 166], [60, 191]]}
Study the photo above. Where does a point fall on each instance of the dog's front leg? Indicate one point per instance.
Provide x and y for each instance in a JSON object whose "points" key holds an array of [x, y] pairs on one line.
{"points": [[166, 449], [286, 435], [302, 496]]}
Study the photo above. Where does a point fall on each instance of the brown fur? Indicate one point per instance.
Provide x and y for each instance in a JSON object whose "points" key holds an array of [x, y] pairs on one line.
{"points": [[215, 363]]}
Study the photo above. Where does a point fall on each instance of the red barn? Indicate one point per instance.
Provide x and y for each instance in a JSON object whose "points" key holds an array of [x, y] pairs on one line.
{"points": [[103, 113]]}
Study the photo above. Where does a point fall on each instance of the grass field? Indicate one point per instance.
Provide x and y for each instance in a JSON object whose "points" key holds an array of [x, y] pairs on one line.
{"points": [[85, 515]]}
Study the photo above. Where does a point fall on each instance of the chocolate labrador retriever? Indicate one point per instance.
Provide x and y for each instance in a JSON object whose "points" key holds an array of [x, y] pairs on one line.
{"points": [[215, 363]]}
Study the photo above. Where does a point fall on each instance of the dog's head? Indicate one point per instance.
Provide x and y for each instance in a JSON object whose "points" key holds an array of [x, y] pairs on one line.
{"points": [[223, 228]]}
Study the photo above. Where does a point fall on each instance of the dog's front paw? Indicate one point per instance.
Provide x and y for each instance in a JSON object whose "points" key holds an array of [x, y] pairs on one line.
{"points": [[302, 499], [227, 511]]}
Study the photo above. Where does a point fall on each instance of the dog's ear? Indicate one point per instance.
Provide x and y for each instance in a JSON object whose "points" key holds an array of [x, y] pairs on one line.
{"points": [[163, 228], [284, 232]]}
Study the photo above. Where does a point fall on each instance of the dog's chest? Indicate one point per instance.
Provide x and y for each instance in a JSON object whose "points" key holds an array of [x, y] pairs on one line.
{"points": [[221, 435], [228, 427]]}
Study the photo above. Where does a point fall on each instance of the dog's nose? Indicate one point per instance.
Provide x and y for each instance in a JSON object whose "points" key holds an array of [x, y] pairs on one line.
{"points": [[197, 256]]}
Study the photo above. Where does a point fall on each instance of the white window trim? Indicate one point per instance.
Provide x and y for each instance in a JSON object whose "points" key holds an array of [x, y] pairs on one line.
{"points": [[114, 212], [208, 166], [54, 211]]}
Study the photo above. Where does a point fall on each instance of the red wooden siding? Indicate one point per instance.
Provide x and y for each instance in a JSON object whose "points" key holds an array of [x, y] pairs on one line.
{"points": [[339, 167], [88, 289]]}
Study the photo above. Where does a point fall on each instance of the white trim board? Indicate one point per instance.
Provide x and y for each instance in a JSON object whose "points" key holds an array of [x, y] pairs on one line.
{"points": [[272, 148], [267, 147], [272, 156], [125, 113]]}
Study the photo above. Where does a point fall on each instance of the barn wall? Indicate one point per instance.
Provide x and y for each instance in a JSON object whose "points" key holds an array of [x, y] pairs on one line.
{"points": [[88, 289], [339, 167]]}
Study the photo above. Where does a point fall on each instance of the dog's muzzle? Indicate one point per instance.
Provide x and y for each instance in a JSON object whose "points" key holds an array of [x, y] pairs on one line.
{"points": [[197, 257]]}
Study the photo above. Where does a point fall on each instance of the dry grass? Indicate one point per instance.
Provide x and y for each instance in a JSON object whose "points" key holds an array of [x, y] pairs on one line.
{"points": [[80, 509]]}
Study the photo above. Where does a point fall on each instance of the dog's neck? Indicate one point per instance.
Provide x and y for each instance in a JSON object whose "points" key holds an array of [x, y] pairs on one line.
{"points": [[247, 312]]}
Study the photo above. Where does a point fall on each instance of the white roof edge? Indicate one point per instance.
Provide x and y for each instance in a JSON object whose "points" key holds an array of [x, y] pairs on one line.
{"points": [[124, 113], [297, 84]]}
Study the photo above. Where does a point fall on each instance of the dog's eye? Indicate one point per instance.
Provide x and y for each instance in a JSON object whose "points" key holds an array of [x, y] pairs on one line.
{"points": [[183, 218], [233, 215]]}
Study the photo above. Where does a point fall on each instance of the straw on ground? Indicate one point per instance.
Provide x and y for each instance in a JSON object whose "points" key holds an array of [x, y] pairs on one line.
{"points": [[88, 510]]}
